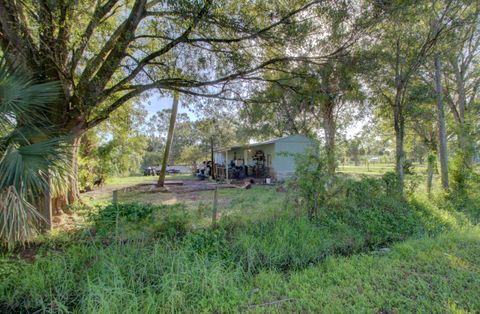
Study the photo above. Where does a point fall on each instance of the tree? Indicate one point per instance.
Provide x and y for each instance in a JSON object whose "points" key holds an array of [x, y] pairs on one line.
{"points": [[191, 155], [157, 132], [423, 119], [461, 62], [338, 87], [408, 38], [108, 52], [442, 132], [31, 159], [306, 100], [284, 107], [114, 148]]}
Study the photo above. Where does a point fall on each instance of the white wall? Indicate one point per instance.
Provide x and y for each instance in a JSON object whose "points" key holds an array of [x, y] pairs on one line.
{"points": [[285, 165]]}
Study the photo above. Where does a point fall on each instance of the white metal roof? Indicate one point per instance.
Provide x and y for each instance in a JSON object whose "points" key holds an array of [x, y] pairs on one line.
{"points": [[223, 149]]}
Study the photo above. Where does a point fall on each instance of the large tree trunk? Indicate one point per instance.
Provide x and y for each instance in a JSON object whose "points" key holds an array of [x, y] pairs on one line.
{"points": [[329, 127], [73, 191], [72, 194], [168, 145], [441, 124]]}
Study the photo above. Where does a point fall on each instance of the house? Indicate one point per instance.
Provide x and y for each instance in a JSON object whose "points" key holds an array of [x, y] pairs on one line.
{"points": [[273, 158]]}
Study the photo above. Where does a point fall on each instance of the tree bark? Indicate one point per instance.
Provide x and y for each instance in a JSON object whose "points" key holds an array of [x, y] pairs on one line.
{"points": [[441, 124], [399, 120], [73, 191], [168, 145], [430, 165], [329, 127], [399, 126]]}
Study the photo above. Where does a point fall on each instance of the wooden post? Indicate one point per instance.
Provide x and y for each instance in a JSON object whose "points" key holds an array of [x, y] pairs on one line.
{"points": [[114, 197], [226, 167], [47, 206], [212, 157], [214, 209]]}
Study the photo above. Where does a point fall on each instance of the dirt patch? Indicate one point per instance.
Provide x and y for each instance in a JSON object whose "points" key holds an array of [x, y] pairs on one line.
{"points": [[180, 187], [28, 253], [67, 220], [195, 186]]}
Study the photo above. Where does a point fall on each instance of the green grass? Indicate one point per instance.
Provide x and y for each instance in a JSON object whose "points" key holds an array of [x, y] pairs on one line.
{"points": [[377, 168], [263, 257], [136, 179], [434, 275]]}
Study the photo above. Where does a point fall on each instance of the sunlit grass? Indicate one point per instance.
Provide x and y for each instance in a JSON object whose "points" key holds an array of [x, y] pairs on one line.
{"points": [[373, 255], [137, 179]]}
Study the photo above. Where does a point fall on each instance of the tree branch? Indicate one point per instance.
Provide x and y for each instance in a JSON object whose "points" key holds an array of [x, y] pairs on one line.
{"points": [[99, 13]]}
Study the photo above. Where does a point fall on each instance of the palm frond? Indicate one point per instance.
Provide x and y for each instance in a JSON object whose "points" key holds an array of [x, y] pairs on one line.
{"points": [[22, 99], [26, 167], [18, 218], [33, 155]]}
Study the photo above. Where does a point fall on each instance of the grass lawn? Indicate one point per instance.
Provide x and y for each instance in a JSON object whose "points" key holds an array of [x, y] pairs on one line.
{"points": [[137, 179], [431, 275], [361, 255]]}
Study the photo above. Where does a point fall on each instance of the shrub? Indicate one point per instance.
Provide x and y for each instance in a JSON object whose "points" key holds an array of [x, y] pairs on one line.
{"points": [[312, 180], [171, 220]]}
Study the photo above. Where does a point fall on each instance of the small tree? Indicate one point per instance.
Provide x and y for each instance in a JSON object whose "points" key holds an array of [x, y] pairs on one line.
{"points": [[190, 155], [312, 179]]}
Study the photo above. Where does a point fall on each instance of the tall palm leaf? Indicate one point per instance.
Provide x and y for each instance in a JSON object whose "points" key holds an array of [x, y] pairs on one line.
{"points": [[33, 153]]}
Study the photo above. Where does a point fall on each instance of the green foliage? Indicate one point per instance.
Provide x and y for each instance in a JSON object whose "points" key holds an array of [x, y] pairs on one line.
{"points": [[408, 167], [171, 220], [32, 153], [133, 212], [114, 148], [145, 277], [151, 259], [283, 244], [312, 180], [209, 243]]}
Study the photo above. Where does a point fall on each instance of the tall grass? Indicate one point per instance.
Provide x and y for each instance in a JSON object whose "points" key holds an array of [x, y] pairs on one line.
{"points": [[152, 259]]}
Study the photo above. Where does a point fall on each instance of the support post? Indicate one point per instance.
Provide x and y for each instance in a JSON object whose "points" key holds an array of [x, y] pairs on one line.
{"points": [[47, 206], [114, 197], [226, 167], [214, 209]]}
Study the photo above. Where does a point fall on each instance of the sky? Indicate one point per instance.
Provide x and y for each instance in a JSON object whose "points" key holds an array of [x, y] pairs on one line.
{"points": [[157, 103]]}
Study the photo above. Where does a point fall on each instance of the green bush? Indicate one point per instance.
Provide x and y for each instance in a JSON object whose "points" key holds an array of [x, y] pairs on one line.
{"points": [[170, 220]]}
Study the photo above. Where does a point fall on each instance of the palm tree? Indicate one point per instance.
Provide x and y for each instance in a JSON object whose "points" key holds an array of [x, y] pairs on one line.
{"points": [[32, 153]]}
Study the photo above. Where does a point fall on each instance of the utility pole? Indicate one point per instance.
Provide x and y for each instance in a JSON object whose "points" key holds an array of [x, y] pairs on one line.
{"points": [[171, 130]]}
